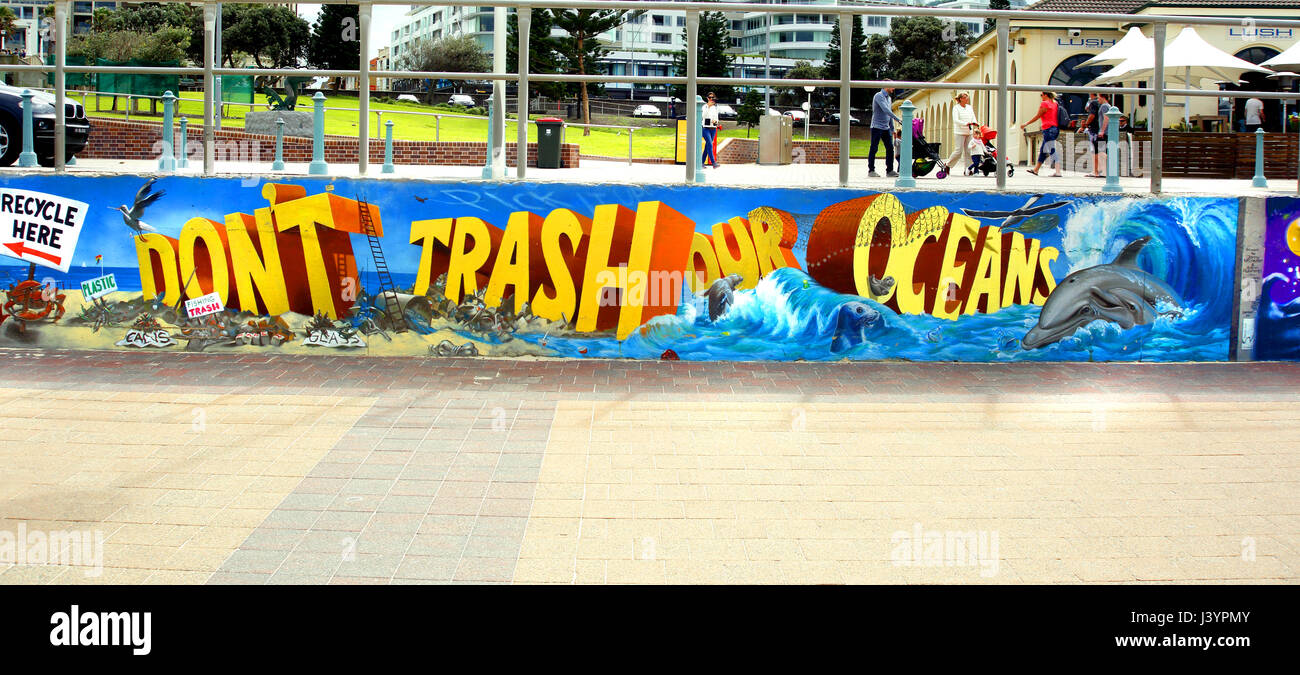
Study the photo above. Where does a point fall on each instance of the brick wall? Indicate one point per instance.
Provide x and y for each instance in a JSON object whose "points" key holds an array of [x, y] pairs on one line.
{"points": [[116, 139], [745, 151]]}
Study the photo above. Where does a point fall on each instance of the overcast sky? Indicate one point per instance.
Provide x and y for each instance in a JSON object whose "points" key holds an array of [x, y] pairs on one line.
{"points": [[382, 20]]}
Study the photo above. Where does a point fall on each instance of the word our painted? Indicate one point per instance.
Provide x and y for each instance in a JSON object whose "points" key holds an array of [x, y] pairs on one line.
{"points": [[40, 228]]}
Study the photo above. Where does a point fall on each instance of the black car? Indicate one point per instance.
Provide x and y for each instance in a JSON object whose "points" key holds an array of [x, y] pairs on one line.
{"points": [[11, 126]]}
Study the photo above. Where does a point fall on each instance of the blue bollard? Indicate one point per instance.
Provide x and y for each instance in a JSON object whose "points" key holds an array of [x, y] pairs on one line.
{"points": [[28, 156], [1259, 181], [388, 147], [491, 142], [905, 179], [318, 167], [278, 164], [699, 133], [183, 156], [167, 162], [1112, 151]]}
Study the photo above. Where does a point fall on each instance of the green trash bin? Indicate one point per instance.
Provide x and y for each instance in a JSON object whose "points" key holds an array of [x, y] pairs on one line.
{"points": [[550, 131]]}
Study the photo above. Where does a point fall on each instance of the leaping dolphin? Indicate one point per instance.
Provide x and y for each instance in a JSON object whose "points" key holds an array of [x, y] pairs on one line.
{"points": [[1011, 218], [1119, 292]]}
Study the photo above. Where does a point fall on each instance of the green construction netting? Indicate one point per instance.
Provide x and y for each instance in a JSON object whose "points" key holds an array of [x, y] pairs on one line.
{"points": [[237, 88]]}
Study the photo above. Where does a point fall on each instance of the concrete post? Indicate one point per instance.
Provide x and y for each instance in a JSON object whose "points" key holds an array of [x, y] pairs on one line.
{"points": [[60, 84], [846, 94], [278, 164], [209, 86], [905, 179], [525, 18], [167, 162], [1112, 151], [182, 156], [363, 90], [1157, 122], [693, 124], [318, 167], [1004, 41], [497, 154], [388, 147], [1259, 181], [28, 156]]}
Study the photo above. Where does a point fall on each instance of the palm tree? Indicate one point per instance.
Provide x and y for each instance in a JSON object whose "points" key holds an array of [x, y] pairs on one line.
{"points": [[581, 48]]}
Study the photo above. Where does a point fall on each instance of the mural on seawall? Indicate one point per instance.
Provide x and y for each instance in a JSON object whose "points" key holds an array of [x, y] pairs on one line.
{"points": [[580, 271], [1277, 327]]}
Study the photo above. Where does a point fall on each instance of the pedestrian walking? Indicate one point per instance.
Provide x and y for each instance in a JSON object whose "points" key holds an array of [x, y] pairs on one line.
{"points": [[963, 123], [1047, 119], [1092, 125], [710, 121], [882, 132]]}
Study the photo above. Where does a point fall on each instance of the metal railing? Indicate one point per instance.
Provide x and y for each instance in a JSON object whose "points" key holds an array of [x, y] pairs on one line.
{"points": [[692, 81]]}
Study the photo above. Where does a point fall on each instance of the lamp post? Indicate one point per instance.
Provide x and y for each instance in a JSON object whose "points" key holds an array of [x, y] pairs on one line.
{"points": [[807, 111]]}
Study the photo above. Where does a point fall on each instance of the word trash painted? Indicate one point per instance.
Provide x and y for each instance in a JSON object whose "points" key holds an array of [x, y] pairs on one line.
{"points": [[615, 271]]}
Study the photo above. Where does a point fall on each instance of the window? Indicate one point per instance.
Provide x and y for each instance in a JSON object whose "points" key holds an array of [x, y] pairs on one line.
{"points": [[663, 38], [681, 21], [486, 24], [877, 21], [804, 36], [810, 18], [659, 20], [783, 19]]}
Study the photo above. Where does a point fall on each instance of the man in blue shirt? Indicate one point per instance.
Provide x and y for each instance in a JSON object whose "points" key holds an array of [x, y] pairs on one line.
{"points": [[882, 131]]}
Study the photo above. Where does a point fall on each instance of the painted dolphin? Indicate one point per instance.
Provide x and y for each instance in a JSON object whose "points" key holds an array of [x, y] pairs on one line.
{"points": [[1120, 292], [851, 324], [720, 295], [1010, 218]]}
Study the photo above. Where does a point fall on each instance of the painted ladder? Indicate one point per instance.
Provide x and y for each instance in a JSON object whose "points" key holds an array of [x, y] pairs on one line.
{"points": [[387, 291]]}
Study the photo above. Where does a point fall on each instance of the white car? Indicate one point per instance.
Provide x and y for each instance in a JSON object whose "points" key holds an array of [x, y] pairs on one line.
{"points": [[797, 115], [462, 100], [647, 111], [726, 112], [774, 112], [409, 98]]}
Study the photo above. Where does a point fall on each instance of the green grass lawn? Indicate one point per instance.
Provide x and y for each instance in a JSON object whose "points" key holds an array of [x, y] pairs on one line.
{"points": [[648, 142]]}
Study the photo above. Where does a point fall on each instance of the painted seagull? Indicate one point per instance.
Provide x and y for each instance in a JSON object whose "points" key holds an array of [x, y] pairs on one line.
{"points": [[143, 199], [1012, 218]]}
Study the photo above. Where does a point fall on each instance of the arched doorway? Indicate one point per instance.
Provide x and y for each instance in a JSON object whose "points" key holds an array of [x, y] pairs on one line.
{"points": [[1256, 82], [1070, 74]]}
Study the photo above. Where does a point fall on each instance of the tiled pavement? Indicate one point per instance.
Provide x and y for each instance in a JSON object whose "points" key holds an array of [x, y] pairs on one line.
{"points": [[284, 469]]}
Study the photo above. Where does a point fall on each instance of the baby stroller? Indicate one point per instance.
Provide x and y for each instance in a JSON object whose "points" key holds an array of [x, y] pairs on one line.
{"points": [[989, 164], [925, 156]]}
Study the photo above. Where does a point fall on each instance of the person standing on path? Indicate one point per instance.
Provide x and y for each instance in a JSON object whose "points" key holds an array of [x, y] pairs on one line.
{"points": [[882, 132], [710, 122], [1046, 117], [963, 122], [1254, 115]]}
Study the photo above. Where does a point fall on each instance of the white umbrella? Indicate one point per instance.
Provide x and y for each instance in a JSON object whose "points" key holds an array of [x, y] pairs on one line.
{"points": [[1132, 44], [1190, 59], [1287, 60]]}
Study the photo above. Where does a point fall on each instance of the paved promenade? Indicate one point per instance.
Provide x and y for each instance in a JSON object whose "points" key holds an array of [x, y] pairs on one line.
{"points": [[202, 468]]}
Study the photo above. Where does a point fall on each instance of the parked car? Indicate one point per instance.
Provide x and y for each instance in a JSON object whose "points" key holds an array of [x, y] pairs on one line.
{"points": [[410, 98], [462, 100], [726, 112], [76, 126], [647, 110], [796, 115], [835, 119]]}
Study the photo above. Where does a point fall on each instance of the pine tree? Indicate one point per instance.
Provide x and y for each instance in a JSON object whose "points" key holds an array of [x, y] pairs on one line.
{"points": [[995, 4], [857, 64], [751, 110], [335, 40], [714, 41], [581, 48], [543, 56]]}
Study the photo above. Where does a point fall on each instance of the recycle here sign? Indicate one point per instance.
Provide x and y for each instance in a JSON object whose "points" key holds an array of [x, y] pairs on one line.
{"points": [[40, 228]]}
